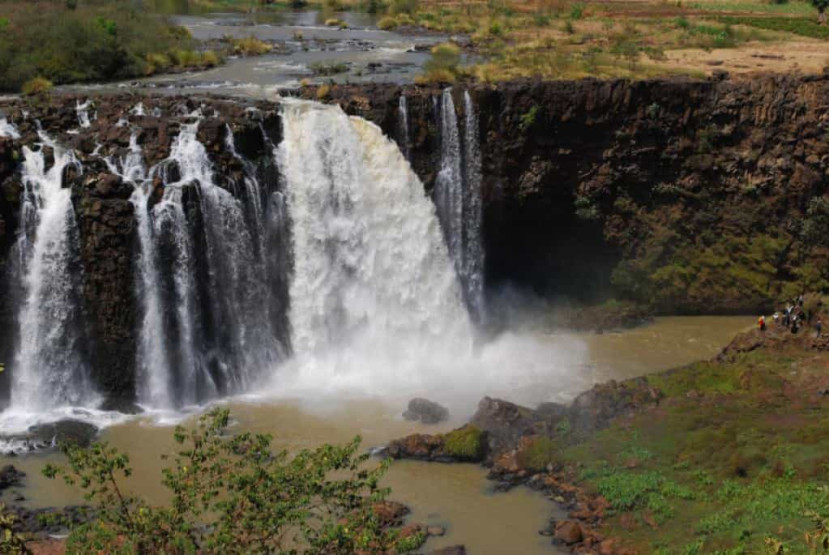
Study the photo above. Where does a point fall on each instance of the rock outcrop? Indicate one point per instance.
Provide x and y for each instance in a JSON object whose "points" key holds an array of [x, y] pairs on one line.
{"points": [[425, 411], [690, 196]]}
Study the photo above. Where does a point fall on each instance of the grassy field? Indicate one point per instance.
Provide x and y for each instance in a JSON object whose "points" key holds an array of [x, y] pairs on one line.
{"points": [[732, 459]]}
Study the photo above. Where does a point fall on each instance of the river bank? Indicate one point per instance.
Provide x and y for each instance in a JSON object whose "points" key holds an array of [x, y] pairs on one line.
{"points": [[724, 455]]}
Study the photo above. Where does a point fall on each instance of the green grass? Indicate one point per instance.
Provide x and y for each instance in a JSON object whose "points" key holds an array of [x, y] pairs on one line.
{"points": [[797, 26], [789, 8], [541, 452], [722, 470]]}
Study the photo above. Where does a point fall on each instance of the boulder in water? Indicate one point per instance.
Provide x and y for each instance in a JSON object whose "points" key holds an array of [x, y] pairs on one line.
{"points": [[63, 431], [10, 476], [425, 411]]}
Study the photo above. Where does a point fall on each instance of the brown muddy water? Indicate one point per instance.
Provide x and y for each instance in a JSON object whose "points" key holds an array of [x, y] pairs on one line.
{"points": [[456, 496]]}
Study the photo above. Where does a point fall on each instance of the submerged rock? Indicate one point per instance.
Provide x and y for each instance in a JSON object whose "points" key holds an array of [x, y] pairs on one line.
{"points": [[426, 411], [63, 431], [10, 476]]}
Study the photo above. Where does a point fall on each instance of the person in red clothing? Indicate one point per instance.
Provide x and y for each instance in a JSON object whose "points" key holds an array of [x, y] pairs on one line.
{"points": [[761, 323]]}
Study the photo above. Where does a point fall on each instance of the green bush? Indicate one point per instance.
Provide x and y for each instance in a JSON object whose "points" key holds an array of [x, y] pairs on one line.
{"points": [[328, 68], [538, 454], [403, 6], [94, 42], [387, 23], [36, 86], [465, 443], [446, 56], [232, 494]]}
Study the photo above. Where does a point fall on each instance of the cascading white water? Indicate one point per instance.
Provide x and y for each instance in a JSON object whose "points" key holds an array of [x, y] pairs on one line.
{"points": [[458, 198], [82, 109], [49, 370], [473, 247], [154, 383], [376, 305], [7, 129], [369, 260], [449, 181], [403, 122]]}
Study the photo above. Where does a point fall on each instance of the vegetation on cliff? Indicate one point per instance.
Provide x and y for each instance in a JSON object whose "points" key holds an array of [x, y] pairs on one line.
{"points": [[232, 494]]}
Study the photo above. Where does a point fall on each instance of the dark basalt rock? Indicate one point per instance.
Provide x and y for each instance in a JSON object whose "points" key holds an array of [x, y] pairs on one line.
{"points": [[425, 411], [10, 476], [65, 431]]}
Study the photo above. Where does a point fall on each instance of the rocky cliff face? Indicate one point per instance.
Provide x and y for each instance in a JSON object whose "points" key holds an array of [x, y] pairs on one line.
{"points": [[104, 213], [690, 196]]}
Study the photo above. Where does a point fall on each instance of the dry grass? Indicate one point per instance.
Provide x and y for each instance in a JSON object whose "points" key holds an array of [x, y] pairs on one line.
{"points": [[558, 39]]}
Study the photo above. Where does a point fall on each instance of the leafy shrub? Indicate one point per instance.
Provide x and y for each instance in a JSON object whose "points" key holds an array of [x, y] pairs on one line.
{"points": [[445, 60], [36, 86], [11, 540], [328, 68], [387, 23], [323, 91], [94, 42], [538, 454], [248, 46], [576, 11], [436, 76], [335, 22], [210, 59], [373, 6], [157, 62], [528, 119], [465, 443], [403, 6], [815, 227], [232, 494]]}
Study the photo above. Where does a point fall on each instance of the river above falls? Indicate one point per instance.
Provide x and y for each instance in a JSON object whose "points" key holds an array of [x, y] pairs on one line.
{"points": [[456, 496], [305, 50]]}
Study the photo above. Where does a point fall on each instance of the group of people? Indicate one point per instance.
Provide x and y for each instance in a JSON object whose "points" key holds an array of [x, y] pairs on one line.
{"points": [[794, 317]]}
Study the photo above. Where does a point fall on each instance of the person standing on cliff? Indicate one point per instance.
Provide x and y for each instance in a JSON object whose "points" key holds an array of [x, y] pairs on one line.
{"points": [[761, 323]]}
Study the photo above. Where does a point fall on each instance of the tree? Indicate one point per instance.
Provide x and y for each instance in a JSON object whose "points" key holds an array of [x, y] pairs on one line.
{"points": [[232, 494]]}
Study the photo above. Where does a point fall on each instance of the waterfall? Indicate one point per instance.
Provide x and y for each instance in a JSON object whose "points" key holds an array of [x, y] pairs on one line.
{"points": [[472, 273], [154, 382], [82, 110], [373, 287], [7, 129], [203, 270], [457, 196], [49, 366], [449, 181], [403, 122]]}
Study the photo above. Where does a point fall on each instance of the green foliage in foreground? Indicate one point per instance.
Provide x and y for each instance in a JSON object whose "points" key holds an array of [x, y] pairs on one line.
{"points": [[89, 43], [232, 494]]}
